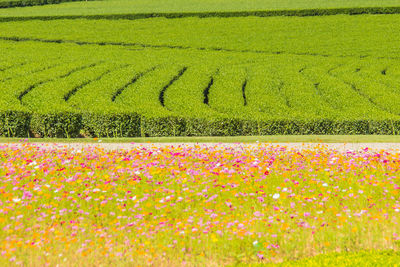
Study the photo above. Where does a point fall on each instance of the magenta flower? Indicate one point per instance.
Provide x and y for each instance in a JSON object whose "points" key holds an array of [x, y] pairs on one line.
{"points": [[27, 195]]}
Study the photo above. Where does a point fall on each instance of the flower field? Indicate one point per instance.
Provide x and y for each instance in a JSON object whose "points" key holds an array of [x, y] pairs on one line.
{"points": [[194, 205]]}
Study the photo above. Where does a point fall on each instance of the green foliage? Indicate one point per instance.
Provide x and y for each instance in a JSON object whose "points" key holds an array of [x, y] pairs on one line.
{"points": [[14, 123], [25, 3], [269, 13], [362, 258], [56, 124], [128, 9], [154, 77], [103, 124], [162, 126]]}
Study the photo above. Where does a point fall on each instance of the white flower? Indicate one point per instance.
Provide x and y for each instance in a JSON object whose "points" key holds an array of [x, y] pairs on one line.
{"points": [[137, 172], [96, 190], [16, 200], [284, 189], [276, 196], [255, 243], [325, 184]]}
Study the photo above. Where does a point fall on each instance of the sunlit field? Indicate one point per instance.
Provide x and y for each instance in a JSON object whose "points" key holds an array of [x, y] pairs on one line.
{"points": [[193, 205]]}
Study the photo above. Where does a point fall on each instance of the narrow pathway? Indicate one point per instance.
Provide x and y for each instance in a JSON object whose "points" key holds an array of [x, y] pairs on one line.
{"points": [[390, 147]]}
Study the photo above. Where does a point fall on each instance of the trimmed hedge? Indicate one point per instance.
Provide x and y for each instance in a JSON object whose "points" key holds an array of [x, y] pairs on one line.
{"points": [[15, 123], [57, 124], [266, 13], [91, 124], [162, 126], [23, 3], [110, 124], [213, 127]]}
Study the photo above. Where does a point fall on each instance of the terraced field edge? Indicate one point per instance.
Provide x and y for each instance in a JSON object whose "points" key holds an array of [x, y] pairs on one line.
{"points": [[20, 123], [262, 13]]}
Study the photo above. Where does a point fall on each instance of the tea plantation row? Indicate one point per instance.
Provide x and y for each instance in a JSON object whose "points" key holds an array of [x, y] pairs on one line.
{"points": [[154, 77], [203, 8], [26, 3]]}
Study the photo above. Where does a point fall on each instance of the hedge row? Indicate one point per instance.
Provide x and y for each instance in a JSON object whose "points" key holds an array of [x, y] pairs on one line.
{"points": [[70, 124], [266, 13], [23, 3]]}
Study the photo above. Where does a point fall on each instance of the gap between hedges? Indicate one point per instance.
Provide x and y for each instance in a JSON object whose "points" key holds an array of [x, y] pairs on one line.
{"points": [[265, 13], [91, 124]]}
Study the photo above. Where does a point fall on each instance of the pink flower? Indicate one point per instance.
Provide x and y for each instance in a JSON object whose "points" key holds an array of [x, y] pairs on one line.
{"points": [[257, 214], [27, 195]]}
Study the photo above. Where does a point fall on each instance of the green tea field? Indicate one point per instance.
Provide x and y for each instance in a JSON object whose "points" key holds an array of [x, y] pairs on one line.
{"points": [[191, 73]]}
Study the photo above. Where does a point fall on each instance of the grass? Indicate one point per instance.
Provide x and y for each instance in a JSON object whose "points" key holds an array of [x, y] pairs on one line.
{"points": [[362, 258], [224, 139], [154, 6]]}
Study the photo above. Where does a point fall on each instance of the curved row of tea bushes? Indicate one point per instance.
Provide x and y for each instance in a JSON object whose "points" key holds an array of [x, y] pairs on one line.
{"points": [[113, 78]]}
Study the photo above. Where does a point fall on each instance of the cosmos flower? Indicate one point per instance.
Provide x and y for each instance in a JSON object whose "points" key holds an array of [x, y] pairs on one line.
{"points": [[146, 205]]}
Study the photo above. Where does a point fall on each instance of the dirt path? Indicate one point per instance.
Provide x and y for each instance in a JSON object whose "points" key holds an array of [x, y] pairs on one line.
{"points": [[124, 146]]}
